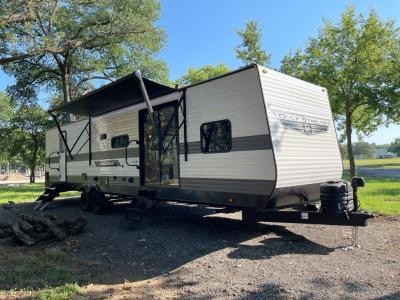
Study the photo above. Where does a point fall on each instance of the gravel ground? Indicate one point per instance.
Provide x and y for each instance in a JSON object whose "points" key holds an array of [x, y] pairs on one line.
{"points": [[184, 251], [380, 172]]}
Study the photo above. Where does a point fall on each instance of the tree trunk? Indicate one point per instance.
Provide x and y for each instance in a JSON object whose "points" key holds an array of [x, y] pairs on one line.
{"points": [[66, 89], [32, 165], [349, 131]]}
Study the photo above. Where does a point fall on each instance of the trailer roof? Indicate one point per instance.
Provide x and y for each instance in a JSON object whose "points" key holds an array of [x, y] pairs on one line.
{"points": [[115, 95]]}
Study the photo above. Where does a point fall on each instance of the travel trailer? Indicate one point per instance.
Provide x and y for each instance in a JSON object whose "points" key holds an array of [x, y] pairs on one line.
{"points": [[253, 139]]}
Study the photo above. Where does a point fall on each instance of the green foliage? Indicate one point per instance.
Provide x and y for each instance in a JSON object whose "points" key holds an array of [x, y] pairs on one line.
{"points": [[69, 46], [395, 146], [207, 72], [6, 108], [250, 50], [6, 114], [22, 134], [364, 149], [343, 151], [29, 126], [358, 61]]}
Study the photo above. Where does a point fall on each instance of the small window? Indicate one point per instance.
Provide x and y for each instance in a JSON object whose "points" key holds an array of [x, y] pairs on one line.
{"points": [[103, 136], [120, 141], [216, 136]]}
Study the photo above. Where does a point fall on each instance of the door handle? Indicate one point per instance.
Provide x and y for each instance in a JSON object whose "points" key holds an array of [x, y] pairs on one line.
{"points": [[49, 158], [126, 154]]}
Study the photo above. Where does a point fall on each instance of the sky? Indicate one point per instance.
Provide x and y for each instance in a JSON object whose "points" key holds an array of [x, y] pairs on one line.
{"points": [[204, 32]]}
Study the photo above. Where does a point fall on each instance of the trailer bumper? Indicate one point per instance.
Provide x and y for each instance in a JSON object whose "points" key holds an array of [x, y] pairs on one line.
{"points": [[308, 217]]}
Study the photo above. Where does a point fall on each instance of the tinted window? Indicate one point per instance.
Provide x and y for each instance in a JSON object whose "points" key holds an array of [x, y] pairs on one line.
{"points": [[216, 136], [120, 141]]}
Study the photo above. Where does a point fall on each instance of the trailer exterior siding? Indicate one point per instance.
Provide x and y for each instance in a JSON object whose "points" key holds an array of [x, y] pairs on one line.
{"points": [[237, 98], [52, 146], [302, 130]]}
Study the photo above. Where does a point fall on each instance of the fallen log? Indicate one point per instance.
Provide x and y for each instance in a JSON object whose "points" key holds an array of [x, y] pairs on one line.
{"points": [[78, 225], [22, 236], [25, 226], [32, 229]]}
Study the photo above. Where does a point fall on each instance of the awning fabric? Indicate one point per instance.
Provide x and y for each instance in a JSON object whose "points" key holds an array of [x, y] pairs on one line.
{"points": [[118, 94]]}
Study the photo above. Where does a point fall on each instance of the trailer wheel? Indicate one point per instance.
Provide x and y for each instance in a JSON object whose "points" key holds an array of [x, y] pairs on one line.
{"points": [[98, 200], [85, 202]]}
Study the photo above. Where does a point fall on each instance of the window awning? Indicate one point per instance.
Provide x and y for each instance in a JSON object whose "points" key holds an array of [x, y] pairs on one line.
{"points": [[115, 95]]}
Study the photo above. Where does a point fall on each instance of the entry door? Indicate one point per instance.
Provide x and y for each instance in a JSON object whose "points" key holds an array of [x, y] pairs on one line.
{"points": [[159, 156], [63, 159]]}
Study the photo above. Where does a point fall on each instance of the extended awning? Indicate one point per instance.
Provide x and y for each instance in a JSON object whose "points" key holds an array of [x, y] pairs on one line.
{"points": [[118, 94]]}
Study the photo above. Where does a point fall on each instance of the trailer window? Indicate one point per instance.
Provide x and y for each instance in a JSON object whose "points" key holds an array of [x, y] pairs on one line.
{"points": [[120, 141], [216, 136]]}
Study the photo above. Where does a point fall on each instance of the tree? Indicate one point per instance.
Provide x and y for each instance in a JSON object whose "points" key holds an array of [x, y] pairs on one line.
{"points": [[22, 132], [364, 150], [28, 142], [207, 72], [395, 146], [68, 45], [6, 114], [250, 50], [358, 61]]}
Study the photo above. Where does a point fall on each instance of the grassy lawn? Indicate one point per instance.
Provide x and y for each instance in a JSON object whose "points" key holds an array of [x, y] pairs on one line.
{"points": [[375, 163], [42, 274], [380, 195], [25, 193]]}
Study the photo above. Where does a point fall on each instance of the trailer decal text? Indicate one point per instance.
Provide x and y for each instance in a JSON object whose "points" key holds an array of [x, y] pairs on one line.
{"points": [[107, 163], [303, 124]]}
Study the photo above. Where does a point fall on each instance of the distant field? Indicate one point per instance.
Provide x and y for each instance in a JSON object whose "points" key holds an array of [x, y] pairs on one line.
{"points": [[25, 192], [375, 163]]}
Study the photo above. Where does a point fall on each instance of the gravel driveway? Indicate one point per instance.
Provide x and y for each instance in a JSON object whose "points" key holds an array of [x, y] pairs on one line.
{"points": [[184, 251]]}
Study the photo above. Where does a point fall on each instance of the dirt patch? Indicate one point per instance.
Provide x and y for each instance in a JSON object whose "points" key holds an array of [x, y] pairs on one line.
{"points": [[184, 251], [12, 177]]}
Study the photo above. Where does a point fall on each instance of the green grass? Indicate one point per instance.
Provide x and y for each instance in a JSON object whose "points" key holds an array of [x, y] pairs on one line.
{"points": [[65, 292], [46, 273], [25, 193], [380, 195], [375, 163]]}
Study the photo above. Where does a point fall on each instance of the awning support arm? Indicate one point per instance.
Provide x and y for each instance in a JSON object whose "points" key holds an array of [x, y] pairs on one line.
{"points": [[62, 135], [87, 128], [148, 104]]}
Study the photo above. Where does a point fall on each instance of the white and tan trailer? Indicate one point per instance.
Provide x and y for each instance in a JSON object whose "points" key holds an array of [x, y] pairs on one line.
{"points": [[252, 139]]}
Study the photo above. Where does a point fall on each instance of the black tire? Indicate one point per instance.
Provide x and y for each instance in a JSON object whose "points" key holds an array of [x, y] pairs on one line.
{"points": [[99, 202], [85, 203]]}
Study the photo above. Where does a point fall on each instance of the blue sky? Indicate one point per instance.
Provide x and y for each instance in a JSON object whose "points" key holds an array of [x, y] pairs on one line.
{"points": [[204, 32]]}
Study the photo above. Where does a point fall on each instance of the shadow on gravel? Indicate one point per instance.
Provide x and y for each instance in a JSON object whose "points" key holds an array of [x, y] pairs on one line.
{"points": [[286, 242], [394, 296], [113, 252], [268, 291]]}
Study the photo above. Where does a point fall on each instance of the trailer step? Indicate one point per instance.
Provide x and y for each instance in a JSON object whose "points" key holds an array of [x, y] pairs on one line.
{"points": [[48, 195]]}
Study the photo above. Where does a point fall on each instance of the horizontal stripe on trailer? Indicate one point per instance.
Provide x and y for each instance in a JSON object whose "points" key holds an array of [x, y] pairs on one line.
{"points": [[242, 143], [108, 154], [243, 186]]}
